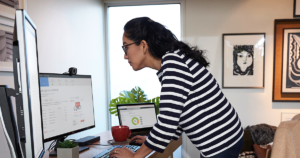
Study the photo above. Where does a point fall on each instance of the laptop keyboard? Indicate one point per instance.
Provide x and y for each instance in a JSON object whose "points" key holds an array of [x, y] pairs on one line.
{"points": [[105, 154]]}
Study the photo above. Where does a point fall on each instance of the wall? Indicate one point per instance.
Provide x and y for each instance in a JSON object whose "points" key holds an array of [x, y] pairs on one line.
{"points": [[204, 23], [207, 20], [70, 34]]}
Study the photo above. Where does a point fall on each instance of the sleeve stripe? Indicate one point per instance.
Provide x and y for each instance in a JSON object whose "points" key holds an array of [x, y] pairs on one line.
{"points": [[173, 94], [169, 118], [159, 138], [201, 79], [170, 110], [170, 54], [159, 74], [176, 86], [166, 125], [178, 131], [209, 124], [188, 61], [171, 101], [156, 145], [194, 66], [177, 78], [179, 71], [173, 62], [162, 132]]}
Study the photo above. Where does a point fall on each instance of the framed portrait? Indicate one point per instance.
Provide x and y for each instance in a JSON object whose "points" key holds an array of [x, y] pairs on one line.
{"points": [[243, 60], [286, 60], [296, 8]]}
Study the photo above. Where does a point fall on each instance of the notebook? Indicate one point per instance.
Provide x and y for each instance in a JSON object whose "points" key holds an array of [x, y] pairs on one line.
{"points": [[140, 118]]}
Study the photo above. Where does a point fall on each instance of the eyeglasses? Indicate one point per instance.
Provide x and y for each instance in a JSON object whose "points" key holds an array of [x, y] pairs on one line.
{"points": [[125, 49]]}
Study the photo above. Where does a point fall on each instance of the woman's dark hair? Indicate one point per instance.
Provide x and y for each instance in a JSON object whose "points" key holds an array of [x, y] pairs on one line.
{"points": [[159, 39]]}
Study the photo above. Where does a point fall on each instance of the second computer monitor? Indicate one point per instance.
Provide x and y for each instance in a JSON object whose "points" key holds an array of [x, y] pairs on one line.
{"points": [[67, 104]]}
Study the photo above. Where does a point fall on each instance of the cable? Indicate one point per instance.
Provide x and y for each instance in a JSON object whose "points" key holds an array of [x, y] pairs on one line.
{"points": [[49, 148]]}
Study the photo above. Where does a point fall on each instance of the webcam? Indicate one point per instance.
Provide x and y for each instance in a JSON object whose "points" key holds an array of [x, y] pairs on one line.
{"points": [[72, 71]]}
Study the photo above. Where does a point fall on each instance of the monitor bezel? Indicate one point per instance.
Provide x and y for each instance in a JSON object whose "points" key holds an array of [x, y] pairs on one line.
{"points": [[136, 104], [25, 16], [67, 76]]}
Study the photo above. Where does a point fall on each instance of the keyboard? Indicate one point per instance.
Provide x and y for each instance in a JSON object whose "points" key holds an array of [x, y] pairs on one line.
{"points": [[105, 154]]}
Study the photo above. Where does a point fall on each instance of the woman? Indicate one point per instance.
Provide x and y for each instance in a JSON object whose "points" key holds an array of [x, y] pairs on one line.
{"points": [[190, 101]]}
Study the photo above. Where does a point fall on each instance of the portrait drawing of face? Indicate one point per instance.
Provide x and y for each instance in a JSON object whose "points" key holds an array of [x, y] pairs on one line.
{"points": [[243, 60]]}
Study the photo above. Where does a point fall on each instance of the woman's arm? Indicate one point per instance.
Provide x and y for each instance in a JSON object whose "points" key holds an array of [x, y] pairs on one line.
{"points": [[142, 152]]}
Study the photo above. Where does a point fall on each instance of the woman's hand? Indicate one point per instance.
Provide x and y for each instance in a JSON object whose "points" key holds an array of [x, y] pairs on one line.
{"points": [[121, 153], [139, 139]]}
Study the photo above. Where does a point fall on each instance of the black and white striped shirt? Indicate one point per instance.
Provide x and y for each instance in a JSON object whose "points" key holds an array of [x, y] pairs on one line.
{"points": [[192, 101]]}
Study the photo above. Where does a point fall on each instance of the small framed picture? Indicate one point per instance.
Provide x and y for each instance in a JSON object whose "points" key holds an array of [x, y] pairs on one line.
{"points": [[291, 61], [243, 60], [296, 8]]}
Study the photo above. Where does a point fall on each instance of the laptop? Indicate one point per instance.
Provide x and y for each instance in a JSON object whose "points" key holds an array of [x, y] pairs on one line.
{"points": [[140, 118]]}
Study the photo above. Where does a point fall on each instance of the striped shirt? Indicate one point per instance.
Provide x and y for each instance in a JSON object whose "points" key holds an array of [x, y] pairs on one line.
{"points": [[191, 101]]}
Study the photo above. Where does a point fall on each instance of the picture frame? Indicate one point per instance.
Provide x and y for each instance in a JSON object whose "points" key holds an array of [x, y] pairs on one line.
{"points": [[279, 26], [243, 60], [7, 19], [296, 10]]}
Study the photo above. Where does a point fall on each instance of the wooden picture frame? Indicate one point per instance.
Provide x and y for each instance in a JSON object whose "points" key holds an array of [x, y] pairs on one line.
{"points": [[279, 26], [243, 60]]}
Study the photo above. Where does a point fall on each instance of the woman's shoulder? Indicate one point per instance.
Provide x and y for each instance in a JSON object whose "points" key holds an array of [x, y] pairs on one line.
{"points": [[173, 55]]}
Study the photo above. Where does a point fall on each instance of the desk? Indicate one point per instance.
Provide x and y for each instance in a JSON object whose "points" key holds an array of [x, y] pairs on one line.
{"points": [[105, 136]]}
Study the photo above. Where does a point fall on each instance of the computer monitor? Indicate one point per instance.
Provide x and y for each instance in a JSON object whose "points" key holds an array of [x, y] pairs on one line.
{"points": [[26, 70], [8, 122], [139, 117], [67, 104]]}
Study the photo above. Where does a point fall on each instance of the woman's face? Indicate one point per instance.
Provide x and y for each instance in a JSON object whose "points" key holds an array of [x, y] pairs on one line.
{"points": [[244, 60], [135, 54]]}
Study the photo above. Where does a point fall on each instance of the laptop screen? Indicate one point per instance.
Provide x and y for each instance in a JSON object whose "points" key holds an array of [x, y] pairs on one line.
{"points": [[137, 116]]}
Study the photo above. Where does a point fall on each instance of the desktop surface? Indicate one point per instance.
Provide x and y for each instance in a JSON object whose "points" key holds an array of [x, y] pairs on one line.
{"points": [[105, 136]]}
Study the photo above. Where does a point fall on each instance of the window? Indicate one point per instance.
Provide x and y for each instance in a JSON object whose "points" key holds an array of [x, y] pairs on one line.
{"points": [[122, 76]]}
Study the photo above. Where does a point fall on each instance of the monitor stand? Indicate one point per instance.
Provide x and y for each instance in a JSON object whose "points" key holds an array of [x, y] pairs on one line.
{"points": [[61, 139]]}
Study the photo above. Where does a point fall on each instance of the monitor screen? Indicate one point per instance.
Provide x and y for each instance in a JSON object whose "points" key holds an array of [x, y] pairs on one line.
{"points": [[137, 116], [67, 104], [34, 91]]}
